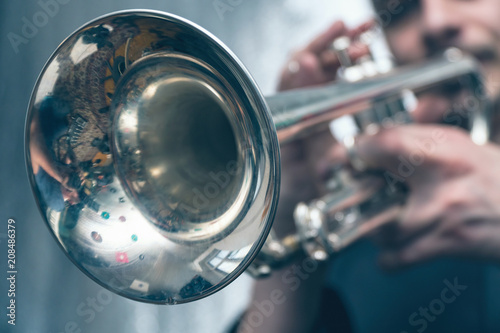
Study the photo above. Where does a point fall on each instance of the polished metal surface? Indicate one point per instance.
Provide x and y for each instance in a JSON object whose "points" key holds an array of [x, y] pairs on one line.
{"points": [[155, 160], [362, 201], [149, 147], [380, 99]]}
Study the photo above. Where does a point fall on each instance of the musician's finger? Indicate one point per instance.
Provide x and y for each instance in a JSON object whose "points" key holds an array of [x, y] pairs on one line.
{"points": [[395, 149], [334, 156], [354, 33], [417, 220], [324, 41], [421, 249], [302, 71], [431, 108], [330, 61]]}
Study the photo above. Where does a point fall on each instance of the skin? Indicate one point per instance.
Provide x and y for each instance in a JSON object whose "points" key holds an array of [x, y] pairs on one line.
{"points": [[453, 207], [434, 25], [301, 182]]}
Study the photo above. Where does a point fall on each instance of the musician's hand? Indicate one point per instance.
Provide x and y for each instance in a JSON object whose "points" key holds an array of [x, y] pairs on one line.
{"points": [[317, 63], [454, 203], [313, 65]]}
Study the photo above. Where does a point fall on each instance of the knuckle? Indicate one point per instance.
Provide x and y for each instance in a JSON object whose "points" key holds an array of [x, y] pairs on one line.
{"points": [[458, 234], [456, 199], [390, 141], [454, 216], [308, 62]]}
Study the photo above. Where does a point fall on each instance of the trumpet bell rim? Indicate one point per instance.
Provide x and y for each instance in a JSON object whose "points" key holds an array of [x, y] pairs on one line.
{"points": [[105, 231]]}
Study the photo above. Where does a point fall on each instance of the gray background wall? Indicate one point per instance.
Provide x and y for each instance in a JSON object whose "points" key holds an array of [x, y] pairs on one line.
{"points": [[49, 288]]}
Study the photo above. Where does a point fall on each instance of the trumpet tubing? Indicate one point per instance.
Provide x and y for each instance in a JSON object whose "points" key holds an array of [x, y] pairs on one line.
{"points": [[154, 158]]}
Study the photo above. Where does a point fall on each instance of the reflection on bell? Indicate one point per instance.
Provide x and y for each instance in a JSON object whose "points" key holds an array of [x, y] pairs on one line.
{"points": [[155, 159], [166, 157], [176, 148]]}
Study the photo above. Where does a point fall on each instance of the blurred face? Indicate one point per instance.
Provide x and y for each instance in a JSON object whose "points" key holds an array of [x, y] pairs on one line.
{"points": [[417, 29]]}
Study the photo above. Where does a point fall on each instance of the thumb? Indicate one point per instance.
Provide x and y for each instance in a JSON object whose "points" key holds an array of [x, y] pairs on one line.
{"points": [[382, 150]]}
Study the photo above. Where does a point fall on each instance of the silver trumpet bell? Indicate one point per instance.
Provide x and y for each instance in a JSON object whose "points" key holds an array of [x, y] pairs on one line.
{"points": [[154, 158]]}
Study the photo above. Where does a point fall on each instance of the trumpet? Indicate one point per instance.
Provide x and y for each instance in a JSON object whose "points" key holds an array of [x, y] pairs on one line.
{"points": [[155, 160]]}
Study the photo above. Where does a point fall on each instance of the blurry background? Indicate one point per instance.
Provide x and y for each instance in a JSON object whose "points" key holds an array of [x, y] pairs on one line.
{"points": [[262, 33]]}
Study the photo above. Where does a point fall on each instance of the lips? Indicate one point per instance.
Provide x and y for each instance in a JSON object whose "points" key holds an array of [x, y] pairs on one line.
{"points": [[485, 55], [482, 52]]}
